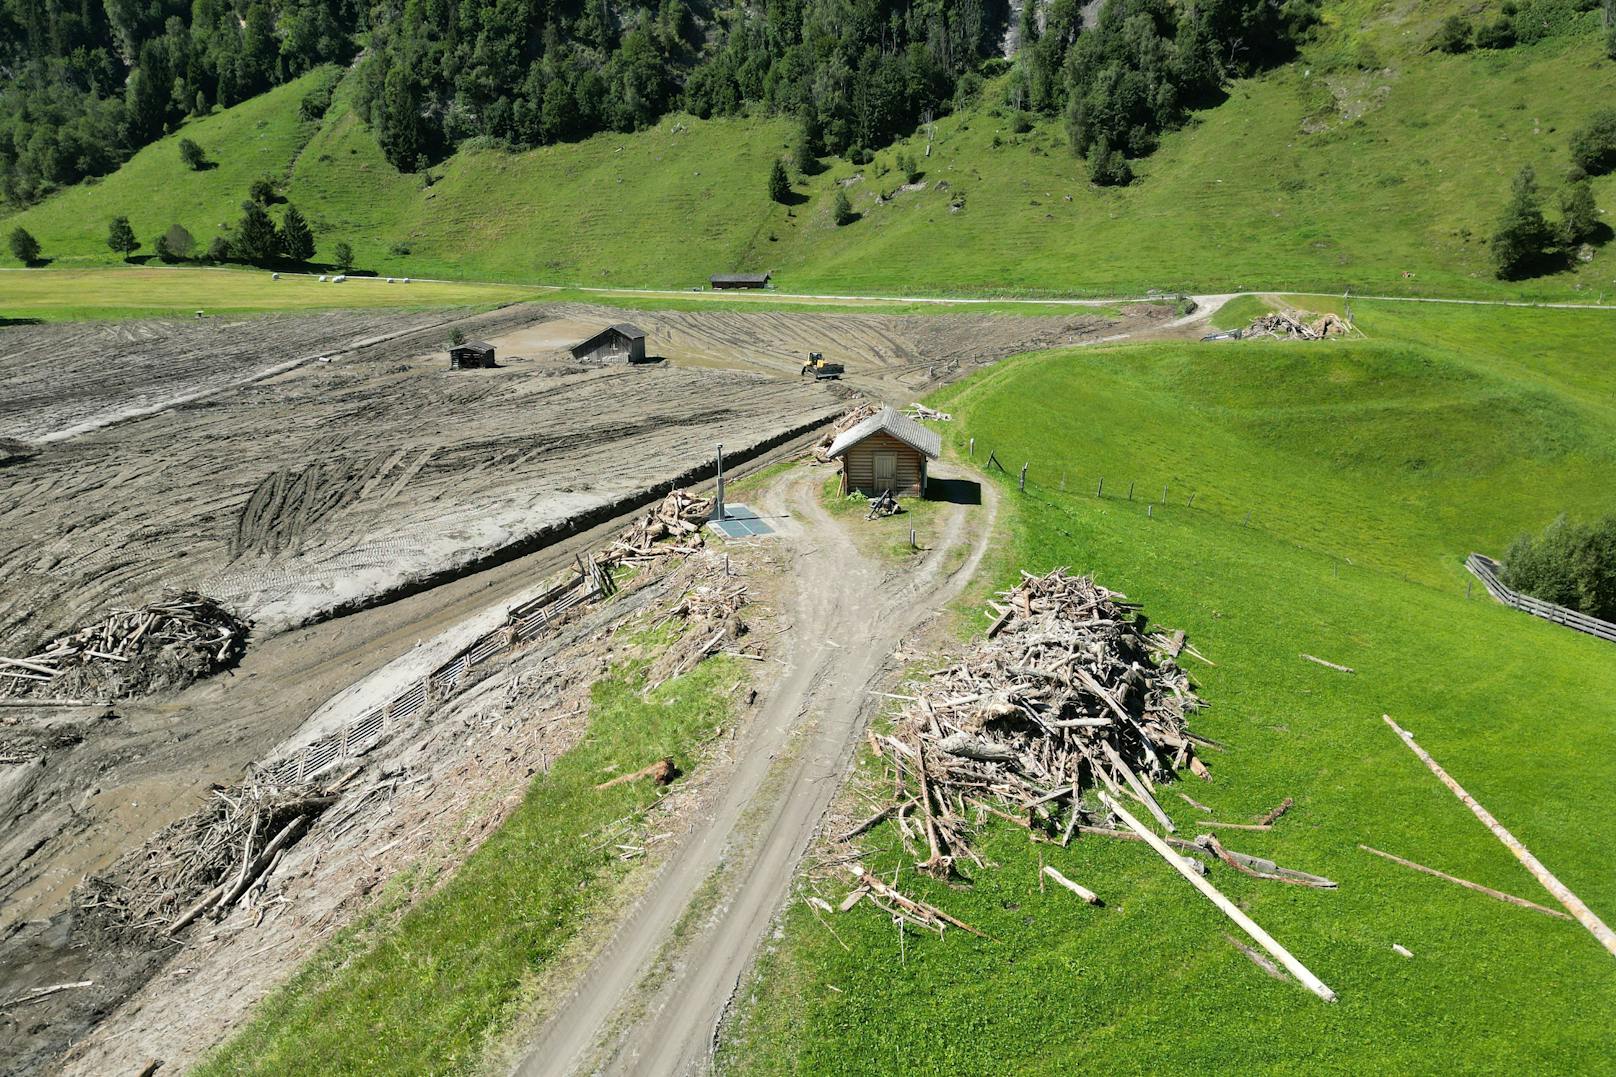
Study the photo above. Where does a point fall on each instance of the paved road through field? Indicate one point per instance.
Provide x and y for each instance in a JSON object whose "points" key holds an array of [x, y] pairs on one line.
{"points": [[848, 613]]}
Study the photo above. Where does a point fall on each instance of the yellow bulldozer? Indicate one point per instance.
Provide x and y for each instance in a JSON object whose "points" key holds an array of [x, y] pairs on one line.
{"points": [[821, 370]]}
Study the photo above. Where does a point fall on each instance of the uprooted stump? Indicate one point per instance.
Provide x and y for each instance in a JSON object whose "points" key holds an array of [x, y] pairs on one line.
{"points": [[158, 647]]}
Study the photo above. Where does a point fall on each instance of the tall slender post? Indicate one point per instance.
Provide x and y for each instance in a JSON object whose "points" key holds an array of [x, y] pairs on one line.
{"points": [[719, 503], [1024, 477]]}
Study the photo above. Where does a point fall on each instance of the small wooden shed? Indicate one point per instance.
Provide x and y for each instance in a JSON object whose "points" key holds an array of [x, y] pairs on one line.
{"points": [[471, 355], [615, 343], [739, 280], [886, 452]]}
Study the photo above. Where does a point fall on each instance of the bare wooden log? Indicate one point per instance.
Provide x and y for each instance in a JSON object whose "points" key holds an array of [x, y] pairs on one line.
{"points": [[1330, 665], [1229, 908], [1081, 891], [1562, 893], [1468, 885]]}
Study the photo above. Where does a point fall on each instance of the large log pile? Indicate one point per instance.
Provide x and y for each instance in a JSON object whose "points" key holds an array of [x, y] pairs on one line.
{"points": [[204, 864], [680, 517], [1280, 324], [1067, 692], [165, 645]]}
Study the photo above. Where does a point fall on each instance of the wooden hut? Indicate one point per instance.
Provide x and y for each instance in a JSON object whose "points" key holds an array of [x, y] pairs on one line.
{"points": [[471, 355], [739, 280], [886, 452], [615, 343]]}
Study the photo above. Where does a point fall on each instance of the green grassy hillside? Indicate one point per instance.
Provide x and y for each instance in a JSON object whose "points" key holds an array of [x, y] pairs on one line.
{"points": [[1319, 441], [1368, 162]]}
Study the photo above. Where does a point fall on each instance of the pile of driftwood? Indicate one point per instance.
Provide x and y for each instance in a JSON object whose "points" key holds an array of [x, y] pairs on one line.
{"points": [[165, 645], [680, 517], [206, 863], [1065, 693], [845, 422], [1280, 324], [918, 410], [712, 622]]}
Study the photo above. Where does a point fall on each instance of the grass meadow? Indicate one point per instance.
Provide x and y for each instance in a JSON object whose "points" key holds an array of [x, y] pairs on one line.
{"points": [[1370, 468]]}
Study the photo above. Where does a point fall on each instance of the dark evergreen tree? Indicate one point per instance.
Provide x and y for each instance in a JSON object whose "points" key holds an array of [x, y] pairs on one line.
{"points": [[1579, 215], [1523, 237], [842, 210], [256, 239], [1593, 146], [779, 183], [24, 247], [296, 238]]}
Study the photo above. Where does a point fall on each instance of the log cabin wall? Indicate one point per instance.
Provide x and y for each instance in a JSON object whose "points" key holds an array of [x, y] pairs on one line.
{"points": [[858, 467]]}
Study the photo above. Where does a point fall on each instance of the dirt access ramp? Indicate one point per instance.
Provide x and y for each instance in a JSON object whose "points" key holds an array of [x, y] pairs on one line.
{"points": [[336, 485]]}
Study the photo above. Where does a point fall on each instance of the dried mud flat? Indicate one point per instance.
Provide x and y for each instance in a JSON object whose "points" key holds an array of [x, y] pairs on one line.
{"points": [[323, 488]]}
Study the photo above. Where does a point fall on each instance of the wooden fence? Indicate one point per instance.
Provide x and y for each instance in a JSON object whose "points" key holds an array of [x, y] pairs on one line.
{"points": [[524, 623], [1486, 570]]}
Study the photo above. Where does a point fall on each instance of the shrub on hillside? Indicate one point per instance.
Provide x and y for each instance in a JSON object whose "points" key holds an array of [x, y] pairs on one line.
{"points": [[343, 255], [314, 103], [192, 155], [262, 190], [1498, 34], [1107, 166], [1568, 564], [1593, 147], [843, 209], [1579, 216], [121, 237], [175, 245], [1453, 36]]}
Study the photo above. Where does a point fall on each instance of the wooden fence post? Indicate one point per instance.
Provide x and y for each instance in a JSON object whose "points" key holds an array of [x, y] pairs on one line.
{"points": [[1023, 478], [1130, 491], [1099, 491]]}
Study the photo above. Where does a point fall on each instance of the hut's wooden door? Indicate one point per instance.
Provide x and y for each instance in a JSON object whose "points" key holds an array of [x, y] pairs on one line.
{"points": [[886, 471]]}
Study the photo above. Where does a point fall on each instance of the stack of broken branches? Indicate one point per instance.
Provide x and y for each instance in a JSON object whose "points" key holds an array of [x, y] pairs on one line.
{"points": [[1280, 324], [205, 864], [712, 622], [844, 422], [164, 645], [679, 517], [1066, 693]]}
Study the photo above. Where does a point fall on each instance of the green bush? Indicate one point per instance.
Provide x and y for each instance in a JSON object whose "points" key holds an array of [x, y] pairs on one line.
{"points": [[779, 184], [1593, 147], [192, 155], [843, 210], [1568, 564], [24, 247], [1453, 36], [1498, 34]]}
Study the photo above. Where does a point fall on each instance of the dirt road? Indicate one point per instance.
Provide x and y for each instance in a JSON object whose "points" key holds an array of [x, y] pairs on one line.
{"points": [[848, 614]]}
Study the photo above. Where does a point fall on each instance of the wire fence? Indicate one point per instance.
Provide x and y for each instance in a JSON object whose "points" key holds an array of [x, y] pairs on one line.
{"points": [[1486, 570], [523, 624]]}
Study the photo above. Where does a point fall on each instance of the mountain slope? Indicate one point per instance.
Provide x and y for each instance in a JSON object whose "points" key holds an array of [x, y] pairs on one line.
{"points": [[1319, 175]]}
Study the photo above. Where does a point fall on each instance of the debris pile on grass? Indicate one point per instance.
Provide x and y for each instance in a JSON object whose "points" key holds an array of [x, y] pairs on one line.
{"points": [[1280, 324], [1067, 692], [680, 517], [711, 613], [845, 422], [162, 646], [205, 864]]}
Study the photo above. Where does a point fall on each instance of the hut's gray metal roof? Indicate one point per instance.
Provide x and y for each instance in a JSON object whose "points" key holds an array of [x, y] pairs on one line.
{"points": [[473, 345], [633, 332], [888, 421], [740, 278]]}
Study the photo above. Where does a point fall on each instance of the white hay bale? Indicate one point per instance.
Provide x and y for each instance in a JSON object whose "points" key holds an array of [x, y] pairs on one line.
{"points": [[406, 280], [322, 278], [390, 280], [339, 278], [274, 276]]}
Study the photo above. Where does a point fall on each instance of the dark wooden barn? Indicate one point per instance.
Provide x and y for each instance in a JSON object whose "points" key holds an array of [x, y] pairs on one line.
{"points": [[614, 344], [471, 355], [740, 280], [886, 452]]}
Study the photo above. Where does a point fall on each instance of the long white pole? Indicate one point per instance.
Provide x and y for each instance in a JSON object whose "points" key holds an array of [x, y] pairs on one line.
{"points": [[1230, 909], [1574, 904]]}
